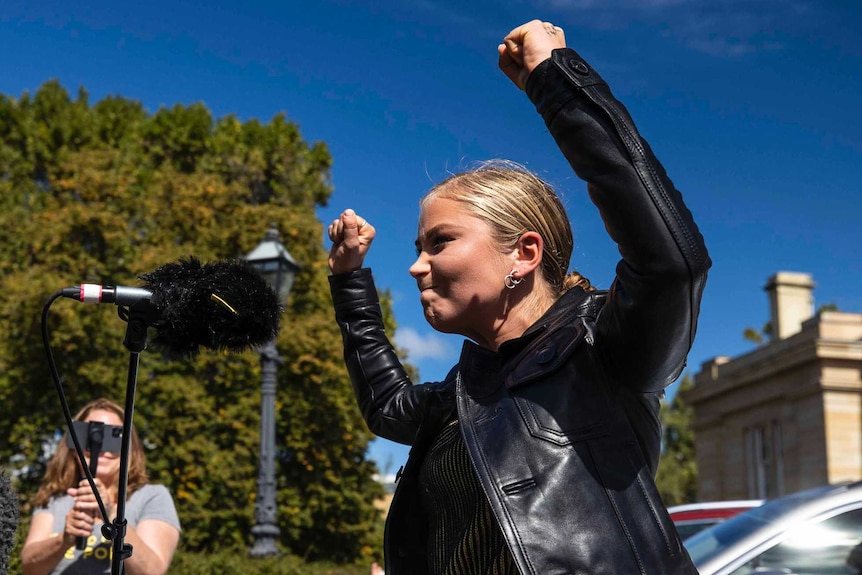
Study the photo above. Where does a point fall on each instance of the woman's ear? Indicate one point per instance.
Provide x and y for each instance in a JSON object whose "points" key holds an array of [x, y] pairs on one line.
{"points": [[530, 248]]}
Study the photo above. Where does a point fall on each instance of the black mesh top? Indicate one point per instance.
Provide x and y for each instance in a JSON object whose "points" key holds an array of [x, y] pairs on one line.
{"points": [[463, 536]]}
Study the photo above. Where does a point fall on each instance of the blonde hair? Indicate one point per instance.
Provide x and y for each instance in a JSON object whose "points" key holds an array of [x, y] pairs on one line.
{"points": [[62, 471], [513, 200]]}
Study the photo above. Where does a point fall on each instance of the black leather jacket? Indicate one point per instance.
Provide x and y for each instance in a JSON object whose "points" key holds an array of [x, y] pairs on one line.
{"points": [[562, 423]]}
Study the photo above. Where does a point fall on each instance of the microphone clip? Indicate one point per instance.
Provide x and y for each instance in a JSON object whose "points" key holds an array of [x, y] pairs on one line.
{"points": [[139, 316]]}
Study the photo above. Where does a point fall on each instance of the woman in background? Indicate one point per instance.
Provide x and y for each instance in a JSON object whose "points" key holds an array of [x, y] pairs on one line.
{"points": [[66, 509]]}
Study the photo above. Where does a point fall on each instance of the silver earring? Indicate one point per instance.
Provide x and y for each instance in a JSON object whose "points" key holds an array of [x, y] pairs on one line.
{"points": [[510, 281]]}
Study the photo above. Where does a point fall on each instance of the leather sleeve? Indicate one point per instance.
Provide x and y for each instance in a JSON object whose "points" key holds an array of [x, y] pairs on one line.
{"points": [[391, 404], [647, 326]]}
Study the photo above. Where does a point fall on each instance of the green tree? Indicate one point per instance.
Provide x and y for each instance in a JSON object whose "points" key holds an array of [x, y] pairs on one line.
{"points": [[765, 334], [103, 193], [758, 337], [677, 470]]}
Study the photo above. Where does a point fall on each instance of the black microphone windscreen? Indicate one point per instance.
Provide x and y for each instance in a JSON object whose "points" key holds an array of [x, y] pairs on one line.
{"points": [[225, 305], [8, 521]]}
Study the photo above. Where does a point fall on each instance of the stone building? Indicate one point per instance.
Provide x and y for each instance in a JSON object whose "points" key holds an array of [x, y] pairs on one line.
{"points": [[788, 415]]}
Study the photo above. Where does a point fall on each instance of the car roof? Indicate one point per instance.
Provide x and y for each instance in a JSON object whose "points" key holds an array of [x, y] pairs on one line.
{"points": [[711, 509], [715, 505], [776, 517]]}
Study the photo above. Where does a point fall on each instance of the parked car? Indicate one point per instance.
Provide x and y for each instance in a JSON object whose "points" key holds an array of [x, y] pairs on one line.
{"points": [[813, 532], [693, 517]]}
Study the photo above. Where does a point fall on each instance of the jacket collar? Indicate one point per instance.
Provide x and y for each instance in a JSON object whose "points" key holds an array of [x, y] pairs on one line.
{"points": [[556, 333], [575, 302]]}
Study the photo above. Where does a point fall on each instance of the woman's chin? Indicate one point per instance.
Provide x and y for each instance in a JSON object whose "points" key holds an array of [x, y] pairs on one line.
{"points": [[432, 318], [440, 324]]}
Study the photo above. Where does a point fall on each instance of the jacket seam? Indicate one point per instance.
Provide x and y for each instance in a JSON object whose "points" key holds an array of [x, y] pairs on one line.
{"points": [[652, 182], [657, 191], [618, 514], [655, 517]]}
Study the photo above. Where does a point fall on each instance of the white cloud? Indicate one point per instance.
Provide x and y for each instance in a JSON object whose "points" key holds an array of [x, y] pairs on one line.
{"points": [[422, 346]]}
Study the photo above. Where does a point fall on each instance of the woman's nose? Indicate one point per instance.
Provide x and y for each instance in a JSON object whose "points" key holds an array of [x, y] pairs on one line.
{"points": [[420, 267]]}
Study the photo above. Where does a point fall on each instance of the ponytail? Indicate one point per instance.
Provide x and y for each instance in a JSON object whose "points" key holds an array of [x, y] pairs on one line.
{"points": [[574, 279]]}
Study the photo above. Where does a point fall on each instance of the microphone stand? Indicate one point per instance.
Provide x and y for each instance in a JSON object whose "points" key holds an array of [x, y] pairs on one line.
{"points": [[140, 317]]}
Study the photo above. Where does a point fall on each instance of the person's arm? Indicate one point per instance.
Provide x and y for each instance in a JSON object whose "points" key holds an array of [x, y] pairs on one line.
{"points": [[43, 549], [153, 544], [390, 403], [647, 326], [156, 533]]}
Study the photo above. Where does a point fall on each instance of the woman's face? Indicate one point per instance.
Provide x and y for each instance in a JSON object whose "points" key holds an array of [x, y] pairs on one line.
{"points": [[109, 462], [459, 270]]}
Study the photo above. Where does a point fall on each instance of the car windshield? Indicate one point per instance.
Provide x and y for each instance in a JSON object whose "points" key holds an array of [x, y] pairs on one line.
{"points": [[710, 542]]}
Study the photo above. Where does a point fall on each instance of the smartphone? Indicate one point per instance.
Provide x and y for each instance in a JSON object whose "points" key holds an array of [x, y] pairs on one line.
{"points": [[96, 434]]}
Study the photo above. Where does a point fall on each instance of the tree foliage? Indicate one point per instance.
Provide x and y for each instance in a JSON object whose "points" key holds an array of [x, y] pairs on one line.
{"points": [[758, 337], [103, 193], [677, 470], [765, 335]]}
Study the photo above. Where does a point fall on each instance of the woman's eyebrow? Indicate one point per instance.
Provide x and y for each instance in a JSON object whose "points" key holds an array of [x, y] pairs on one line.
{"points": [[430, 232]]}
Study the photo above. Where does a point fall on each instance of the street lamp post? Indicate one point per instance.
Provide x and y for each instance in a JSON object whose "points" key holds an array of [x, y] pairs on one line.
{"points": [[279, 269]]}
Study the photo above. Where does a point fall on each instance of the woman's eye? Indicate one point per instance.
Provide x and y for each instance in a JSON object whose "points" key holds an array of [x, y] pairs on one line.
{"points": [[439, 242], [433, 246]]}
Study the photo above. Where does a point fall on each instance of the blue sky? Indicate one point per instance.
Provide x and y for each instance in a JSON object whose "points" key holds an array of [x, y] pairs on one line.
{"points": [[754, 107]]}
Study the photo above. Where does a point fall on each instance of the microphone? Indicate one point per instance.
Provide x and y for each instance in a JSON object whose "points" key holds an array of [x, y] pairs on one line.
{"points": [[222, 305], [120, 295], [8, 521]]}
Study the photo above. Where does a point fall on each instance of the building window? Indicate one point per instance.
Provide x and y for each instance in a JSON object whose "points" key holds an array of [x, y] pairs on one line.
{"points": [[764, 461]]}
